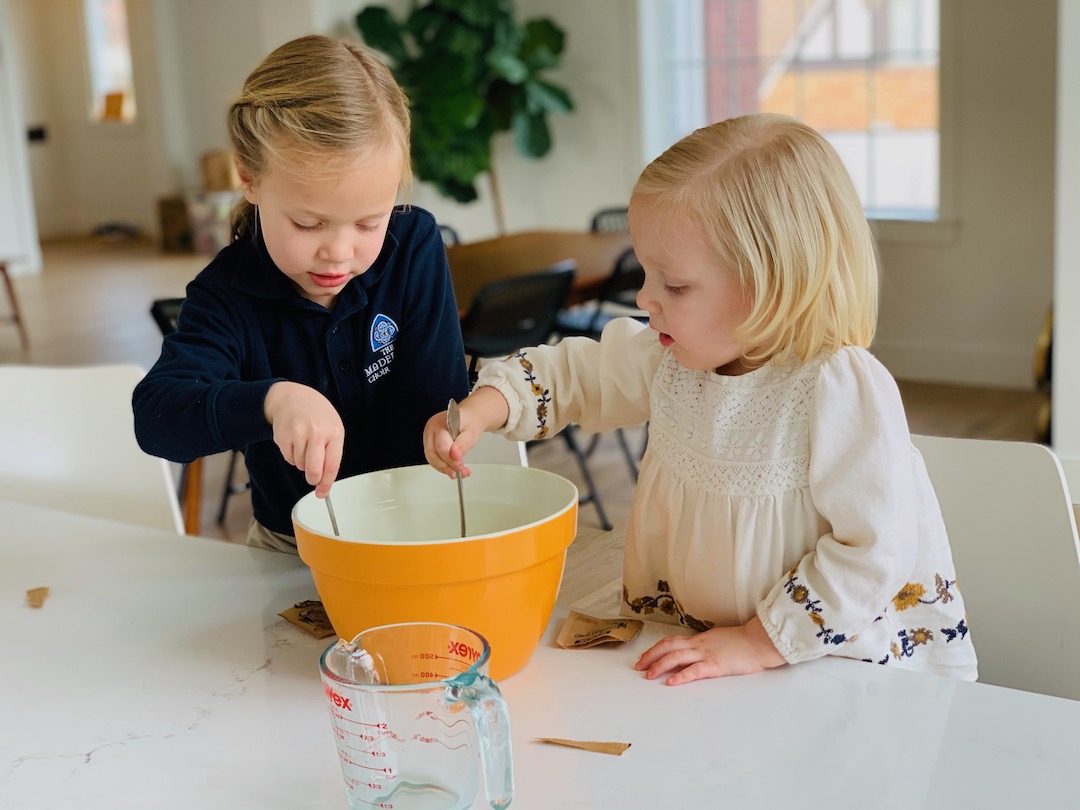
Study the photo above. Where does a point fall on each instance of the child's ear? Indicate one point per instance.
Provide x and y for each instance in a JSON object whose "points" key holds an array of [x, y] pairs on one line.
{"points": [[247, 181]]}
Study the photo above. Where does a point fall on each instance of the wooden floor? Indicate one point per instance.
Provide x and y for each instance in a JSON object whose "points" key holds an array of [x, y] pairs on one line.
{"points": [[91, 305]]}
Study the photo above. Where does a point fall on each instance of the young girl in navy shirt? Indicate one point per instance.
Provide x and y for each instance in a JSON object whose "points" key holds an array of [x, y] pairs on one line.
{"points": [[321, 339]]}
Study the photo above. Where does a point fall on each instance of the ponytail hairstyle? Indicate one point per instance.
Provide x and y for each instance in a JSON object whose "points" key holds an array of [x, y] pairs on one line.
{"points": [[313, 107], [771, 197]]}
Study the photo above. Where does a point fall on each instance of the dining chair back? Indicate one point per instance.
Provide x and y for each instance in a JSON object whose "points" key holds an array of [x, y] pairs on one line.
{"points": [[1013, 534], [67, 441], [514, 312], [609, 220], [617, 298]]}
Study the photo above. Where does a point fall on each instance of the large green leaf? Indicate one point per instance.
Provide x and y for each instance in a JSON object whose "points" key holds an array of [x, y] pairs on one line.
{"points": [[508, 66], [545, 97], [543, 43], [382, 32], [531, 134]]}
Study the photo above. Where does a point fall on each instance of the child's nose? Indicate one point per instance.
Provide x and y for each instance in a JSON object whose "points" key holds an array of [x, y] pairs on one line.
{"points": [[339, 248], [644, 300]]}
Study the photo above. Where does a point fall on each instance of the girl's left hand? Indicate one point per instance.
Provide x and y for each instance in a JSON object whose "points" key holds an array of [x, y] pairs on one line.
{"points": [[711, 654]]}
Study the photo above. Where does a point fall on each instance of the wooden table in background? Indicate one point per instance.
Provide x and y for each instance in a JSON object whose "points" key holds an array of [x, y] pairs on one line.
{"points": [[474, 264]]}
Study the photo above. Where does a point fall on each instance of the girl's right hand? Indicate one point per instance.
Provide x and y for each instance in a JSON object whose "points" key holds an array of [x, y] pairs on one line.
{"points": [[308, 430], [485, 409]]}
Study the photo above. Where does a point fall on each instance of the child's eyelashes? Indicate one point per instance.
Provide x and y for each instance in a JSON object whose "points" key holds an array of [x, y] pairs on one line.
{"points": [[360, 226], [675, 290]]}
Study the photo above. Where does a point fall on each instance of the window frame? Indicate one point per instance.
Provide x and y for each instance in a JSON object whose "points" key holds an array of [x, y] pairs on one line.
{"points": [[943, 229]]}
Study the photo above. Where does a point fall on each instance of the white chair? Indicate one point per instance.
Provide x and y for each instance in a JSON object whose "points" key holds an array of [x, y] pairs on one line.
{"points": [[67, 441], [1013, 533]]}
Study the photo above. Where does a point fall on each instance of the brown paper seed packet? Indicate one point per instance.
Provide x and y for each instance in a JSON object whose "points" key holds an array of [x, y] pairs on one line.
{"points": [[35, 597], [613, 748], [309, 616], [581, 630]]}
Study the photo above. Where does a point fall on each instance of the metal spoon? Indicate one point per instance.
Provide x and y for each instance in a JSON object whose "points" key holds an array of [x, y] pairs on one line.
{"points": [[453, 424], [333, 520]]}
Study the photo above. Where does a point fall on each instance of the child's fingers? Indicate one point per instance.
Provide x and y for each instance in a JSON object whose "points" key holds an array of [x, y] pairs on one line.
{"points": [[330, 469]]}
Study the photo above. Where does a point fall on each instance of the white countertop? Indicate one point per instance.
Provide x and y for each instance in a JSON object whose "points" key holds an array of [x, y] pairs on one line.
{"points": [[159, 675]]}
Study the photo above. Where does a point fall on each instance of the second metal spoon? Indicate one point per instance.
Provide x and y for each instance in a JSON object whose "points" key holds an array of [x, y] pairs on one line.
{"points": [[453, 424]]}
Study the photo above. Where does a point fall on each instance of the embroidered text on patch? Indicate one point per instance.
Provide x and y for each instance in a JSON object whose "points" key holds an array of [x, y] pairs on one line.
{"points": [[383, 332]]}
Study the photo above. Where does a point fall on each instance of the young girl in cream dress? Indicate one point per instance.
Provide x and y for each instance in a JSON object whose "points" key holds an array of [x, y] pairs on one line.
{"points": [[781, 509]]}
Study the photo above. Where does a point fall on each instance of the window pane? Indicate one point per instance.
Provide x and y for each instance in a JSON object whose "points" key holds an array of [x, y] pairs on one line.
{"points": [[865, 74], [112, 90]]}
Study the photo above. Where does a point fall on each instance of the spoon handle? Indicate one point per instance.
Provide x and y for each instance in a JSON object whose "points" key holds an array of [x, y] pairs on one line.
{"points": [[453, 424], [333, 519]]}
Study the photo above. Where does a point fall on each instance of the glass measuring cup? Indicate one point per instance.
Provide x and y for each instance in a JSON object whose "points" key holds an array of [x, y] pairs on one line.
{"points": [[398, 696]]}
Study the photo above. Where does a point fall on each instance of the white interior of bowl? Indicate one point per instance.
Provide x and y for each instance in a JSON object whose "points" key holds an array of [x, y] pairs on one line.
{"points": [[419, 505]]}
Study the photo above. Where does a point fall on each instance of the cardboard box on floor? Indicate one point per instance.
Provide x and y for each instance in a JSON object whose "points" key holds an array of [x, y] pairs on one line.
{"points": [[199, 221]]}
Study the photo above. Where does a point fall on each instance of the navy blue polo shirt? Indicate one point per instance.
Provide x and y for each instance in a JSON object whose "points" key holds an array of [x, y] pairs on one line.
{"points": [[387, 356]]}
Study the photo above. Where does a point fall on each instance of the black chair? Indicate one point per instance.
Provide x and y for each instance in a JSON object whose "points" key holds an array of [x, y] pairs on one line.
{"points": [[514, 312], [609, 220], [517, 312], [617, 299], [449, 236], [166, 313]]}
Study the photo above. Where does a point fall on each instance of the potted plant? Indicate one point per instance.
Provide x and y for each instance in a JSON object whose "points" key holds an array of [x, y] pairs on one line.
{"points": [[470, 71]]}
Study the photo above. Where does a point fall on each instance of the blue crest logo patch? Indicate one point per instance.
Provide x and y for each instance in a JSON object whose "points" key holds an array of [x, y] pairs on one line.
{"points": [[383, 331]]}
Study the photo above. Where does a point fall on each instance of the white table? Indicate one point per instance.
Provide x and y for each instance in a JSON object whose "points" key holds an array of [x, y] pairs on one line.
{"points": [[158, 675]]}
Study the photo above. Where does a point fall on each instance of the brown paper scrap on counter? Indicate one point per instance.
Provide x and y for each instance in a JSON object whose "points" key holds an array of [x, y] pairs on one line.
{"points": [[309, 616], [613, 748], [581, 630], [35, 597]]}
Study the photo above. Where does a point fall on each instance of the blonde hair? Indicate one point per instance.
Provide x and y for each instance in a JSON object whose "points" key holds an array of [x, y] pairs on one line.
{"points": [[772, 198], [316, 105]]}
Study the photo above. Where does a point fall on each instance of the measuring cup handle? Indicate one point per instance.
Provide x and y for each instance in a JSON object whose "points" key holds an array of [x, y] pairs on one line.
{"points": [[493, 726]]}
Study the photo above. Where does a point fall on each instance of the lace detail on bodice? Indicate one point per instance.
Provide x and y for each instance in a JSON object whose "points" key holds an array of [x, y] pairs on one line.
{"points": [[738, 436]]}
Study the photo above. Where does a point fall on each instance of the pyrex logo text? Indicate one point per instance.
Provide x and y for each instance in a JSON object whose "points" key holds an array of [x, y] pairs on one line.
{"points": [[341, 702], [463, 650]]}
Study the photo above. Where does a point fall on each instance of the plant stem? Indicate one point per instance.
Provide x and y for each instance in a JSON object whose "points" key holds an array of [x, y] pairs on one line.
{"points": [[496, 199]]}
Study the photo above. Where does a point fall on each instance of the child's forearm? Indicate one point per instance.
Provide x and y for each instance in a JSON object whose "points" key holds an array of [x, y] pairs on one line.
{"points": [[488, 407]]}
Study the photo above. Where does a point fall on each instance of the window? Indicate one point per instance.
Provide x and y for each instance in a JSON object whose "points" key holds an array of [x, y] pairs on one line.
{"points": [[862, 72], [112, 89]]}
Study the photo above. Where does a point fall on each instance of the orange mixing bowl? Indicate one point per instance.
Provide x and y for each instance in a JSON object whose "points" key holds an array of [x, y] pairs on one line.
{"points": [[400, 557]]}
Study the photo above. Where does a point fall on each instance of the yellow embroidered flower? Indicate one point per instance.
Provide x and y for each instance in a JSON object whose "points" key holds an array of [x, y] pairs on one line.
{"points": [[537, 389], [816, 619], [895, 649], [920, 635], [909, 596], [800, 593]]}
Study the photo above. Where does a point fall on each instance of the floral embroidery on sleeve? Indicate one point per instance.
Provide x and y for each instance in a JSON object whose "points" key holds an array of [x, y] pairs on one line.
{"points": [[800, 595], [543, 395]]}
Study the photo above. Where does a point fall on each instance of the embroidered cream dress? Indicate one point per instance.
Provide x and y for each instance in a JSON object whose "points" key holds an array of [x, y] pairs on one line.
{"points": [[791, 493]]}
